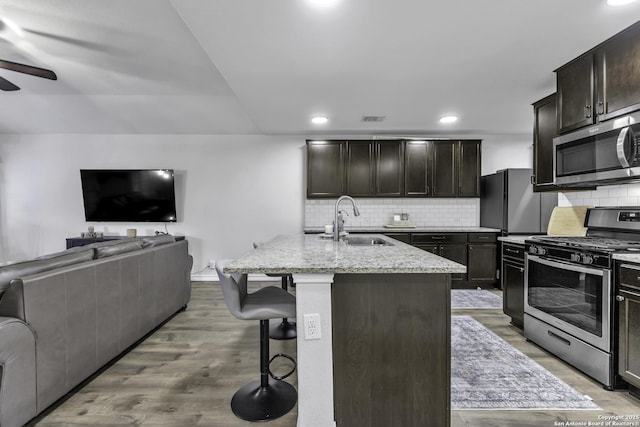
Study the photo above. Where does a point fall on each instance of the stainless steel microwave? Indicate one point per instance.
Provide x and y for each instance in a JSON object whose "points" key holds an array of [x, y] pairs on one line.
{"points": [[602, 153]]}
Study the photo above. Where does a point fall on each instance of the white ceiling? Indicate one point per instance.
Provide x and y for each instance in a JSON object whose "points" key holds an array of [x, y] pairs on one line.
{"points": [[267, 66]]}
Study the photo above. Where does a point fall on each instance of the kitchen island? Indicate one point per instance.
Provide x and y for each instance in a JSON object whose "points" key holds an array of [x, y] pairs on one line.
{"points": [[383, 356]]}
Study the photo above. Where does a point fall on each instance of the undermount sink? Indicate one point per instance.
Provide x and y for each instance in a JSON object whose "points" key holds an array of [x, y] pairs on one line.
{"points": [[366, 241]]}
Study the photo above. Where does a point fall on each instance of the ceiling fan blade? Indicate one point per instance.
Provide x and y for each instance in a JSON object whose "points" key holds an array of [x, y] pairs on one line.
{"points": [[28, 69], [7, 85]]}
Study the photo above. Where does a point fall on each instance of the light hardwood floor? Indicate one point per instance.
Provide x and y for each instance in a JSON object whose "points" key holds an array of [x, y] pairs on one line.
{"points": [[185, 373]]}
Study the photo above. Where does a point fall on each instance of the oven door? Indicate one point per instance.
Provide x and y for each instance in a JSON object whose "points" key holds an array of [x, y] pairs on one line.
{"points": [[573, 298], [608, 151]]}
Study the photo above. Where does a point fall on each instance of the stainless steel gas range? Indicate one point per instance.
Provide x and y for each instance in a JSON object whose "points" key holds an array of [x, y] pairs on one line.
{"points": [[569, 291]]}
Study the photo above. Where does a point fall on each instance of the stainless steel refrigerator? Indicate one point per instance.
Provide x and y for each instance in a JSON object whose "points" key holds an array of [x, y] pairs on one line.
{"points": [[507, 202]]}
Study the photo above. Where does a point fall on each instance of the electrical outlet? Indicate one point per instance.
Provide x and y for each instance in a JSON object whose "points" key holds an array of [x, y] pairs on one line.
{"points": [[312, 330], [212, 264]]}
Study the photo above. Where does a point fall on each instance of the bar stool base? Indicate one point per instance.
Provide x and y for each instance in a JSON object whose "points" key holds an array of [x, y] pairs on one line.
{"points": [[254, 402], [284, 330]]}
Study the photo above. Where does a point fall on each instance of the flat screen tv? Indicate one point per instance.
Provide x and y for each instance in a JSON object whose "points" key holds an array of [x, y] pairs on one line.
{"points": [[128, 195]]}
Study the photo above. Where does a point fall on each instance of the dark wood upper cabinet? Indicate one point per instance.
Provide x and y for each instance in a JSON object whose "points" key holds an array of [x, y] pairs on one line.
{"points": [[602, 83], [360, 169], [617, 67], [325, 168], [393, 168], [417, 168], [469, 169], [575, 94], [545, 128], [389, 169], [445, 182]]}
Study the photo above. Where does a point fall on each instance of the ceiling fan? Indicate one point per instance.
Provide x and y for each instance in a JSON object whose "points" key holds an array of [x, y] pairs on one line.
{"points": [[6, 85]]}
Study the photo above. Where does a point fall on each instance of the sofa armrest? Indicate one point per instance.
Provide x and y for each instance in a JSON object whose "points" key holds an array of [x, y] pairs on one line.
{"points": [[17, 372]]}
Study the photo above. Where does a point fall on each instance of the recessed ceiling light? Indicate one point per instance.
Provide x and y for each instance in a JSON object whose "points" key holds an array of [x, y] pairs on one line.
{"points": [[323, 2], [448, 119], [319, 120], [619, 2]]}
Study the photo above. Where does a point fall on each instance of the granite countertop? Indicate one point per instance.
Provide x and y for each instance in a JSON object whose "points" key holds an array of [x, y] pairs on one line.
{"points": [[383, 229], [311, 253], [517, 239], [629, 257]]}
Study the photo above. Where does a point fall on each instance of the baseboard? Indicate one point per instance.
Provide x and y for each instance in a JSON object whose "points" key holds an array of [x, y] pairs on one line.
{"points": [[209, 275]]}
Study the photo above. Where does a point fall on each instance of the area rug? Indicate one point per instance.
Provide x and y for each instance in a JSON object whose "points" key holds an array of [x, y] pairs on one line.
{"points": [[473, 298], [488, 373]]}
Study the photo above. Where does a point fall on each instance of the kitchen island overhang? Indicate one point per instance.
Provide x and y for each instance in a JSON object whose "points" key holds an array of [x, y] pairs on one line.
{"points": [[384, 314]]}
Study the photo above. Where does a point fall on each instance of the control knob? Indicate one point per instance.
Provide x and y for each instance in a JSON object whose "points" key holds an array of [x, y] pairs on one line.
{"points": [[575, 257], [587, 259]]}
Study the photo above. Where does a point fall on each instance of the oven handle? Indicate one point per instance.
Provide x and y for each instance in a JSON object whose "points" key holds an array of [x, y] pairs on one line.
{"points": [[620, 147], [566, 266]]}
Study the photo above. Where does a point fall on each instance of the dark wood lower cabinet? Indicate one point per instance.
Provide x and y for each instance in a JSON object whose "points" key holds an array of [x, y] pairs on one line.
{"points": [[628, 298], [391, 349], [512, 277], [482, 265], [477, 251], [456, 253]]}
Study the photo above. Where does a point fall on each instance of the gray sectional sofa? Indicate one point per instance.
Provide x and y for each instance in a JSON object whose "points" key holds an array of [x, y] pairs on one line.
{"points": [[65, 315]]}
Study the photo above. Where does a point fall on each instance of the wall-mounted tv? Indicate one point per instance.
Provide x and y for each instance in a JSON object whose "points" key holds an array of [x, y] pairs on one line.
{"points": [[128, 195]]}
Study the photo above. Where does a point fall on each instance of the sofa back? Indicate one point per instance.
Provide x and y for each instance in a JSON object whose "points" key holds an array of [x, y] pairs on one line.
{"points": [[87, 313]]}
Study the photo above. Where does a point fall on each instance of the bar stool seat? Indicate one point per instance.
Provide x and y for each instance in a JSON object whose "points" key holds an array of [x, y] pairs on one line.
{"points": [[284, 330], [268, 398]]}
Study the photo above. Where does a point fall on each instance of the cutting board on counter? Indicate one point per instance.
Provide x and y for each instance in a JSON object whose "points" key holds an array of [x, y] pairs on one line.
{"points": [[567, 221]]}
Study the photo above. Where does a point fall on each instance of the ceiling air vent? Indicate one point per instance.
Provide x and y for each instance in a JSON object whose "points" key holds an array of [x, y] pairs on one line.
{"points": [[372, 118]]}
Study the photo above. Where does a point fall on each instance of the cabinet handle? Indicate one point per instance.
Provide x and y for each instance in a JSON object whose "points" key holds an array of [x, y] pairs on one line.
{"points": [[483, 237], [437, 237], [513, 251], [521, 270], [600, 107], [533, 179], [587, 111], [427, 189], [619, 298], [559, 338]]}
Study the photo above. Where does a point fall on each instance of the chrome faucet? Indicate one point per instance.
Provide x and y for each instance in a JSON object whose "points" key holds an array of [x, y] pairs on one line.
{"points": [[338, 223]]}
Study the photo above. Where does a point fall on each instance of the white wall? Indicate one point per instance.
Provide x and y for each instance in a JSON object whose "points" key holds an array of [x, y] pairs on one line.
{"points": [[230, 190], [610, 195], [504, 152]]}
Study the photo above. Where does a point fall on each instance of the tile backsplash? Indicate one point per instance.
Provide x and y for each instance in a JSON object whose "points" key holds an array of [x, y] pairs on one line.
{"points": [[379, 211], [610, 195]]}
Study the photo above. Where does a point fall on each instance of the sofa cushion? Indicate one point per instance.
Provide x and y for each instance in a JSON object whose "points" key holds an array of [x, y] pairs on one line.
{"points": [[160, 239], [117, 247], [8, 272]]}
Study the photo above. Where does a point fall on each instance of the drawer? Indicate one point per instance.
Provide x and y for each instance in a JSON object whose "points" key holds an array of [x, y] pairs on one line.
{"points": [[513, 251], [629, 275], [418, 238], [481, 237]]}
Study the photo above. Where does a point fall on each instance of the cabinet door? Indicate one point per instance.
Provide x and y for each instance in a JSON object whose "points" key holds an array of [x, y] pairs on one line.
{"points": [[482, 265], [417, 169], [444, 169], [575, 84], [545, 128], [389, 169], [629, 335], [513, 292], [618, 74], [360, 168], [325, 169], [456, 253], [469, 169]]}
